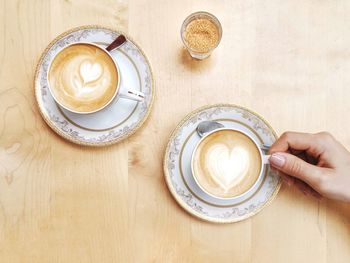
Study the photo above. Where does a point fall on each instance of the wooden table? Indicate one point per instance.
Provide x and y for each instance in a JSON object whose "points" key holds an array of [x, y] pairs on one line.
{"points": [[287, 60]]}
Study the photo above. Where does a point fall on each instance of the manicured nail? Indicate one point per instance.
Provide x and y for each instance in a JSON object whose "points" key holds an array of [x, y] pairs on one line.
{"points": [[277, 160]]}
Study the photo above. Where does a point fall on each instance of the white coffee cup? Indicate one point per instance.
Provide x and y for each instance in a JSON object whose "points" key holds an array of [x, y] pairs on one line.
{"points": [[264, 160], [128, 94]]}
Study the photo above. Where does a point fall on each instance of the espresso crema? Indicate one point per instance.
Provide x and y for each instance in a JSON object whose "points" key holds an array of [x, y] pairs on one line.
{"points": [[83, 78], [227, 163]]}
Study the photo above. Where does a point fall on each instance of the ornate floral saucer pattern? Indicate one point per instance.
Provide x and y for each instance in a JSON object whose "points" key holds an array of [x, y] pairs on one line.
{"points": [[177, 167], [122, 117]]}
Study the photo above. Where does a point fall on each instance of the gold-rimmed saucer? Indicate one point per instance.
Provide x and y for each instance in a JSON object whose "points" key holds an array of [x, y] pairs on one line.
{"points": [[177, 168], [118, 120]]}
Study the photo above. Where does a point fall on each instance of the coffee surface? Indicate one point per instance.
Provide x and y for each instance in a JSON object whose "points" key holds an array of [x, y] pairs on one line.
{"points": [[83, 78], [227, 163]]}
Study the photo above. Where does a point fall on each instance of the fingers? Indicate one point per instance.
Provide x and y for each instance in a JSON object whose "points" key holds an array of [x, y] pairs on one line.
{"points": [[317, 157], [295, 140], [313, 144], [296, 167]]}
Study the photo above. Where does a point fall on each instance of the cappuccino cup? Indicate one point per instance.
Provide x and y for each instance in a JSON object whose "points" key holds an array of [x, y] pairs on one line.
{"points": [[84, 78], [227, 163]]}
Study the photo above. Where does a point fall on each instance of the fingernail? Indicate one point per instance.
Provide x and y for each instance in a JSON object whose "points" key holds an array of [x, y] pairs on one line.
{"points": [[277, 160]]}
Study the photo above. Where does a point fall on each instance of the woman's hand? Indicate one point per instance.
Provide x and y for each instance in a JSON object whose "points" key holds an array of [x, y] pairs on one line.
{"points": [[318, 160]]}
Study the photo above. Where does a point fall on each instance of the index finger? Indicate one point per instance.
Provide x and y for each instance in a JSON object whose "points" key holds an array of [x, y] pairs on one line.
{"points": [[297, 141]]}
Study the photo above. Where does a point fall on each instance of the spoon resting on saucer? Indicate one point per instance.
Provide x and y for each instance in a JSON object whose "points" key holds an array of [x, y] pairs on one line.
{"points": [[120, 40], [205, 127]]}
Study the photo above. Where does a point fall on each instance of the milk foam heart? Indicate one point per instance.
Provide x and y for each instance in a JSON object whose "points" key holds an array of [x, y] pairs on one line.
{"points": [[227, 166], [90, 71]]}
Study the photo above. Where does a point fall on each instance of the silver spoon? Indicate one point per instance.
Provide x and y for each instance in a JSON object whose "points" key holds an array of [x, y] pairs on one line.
{"points": [[205, 127]]}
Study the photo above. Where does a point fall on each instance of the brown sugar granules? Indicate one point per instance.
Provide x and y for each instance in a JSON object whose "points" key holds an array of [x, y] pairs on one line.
{"points": [[201, 35]]}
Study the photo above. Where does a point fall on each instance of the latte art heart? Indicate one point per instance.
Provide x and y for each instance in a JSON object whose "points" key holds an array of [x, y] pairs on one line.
{"points": [[90, 71], [226, 166]]}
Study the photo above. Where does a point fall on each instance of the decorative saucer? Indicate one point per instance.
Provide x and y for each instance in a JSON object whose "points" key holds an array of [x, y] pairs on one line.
{"points": [[119, 119], [177, 166]]}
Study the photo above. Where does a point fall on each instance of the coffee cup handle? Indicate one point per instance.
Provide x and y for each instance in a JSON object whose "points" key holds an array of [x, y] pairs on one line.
{"points": [[132, 95], [266, 159]]}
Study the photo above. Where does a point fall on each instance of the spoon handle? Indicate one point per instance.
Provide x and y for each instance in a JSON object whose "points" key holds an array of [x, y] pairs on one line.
{"points": [[120, 40]]}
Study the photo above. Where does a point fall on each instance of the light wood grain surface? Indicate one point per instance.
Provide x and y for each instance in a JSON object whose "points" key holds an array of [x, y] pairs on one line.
{"points": [[287, 60]]}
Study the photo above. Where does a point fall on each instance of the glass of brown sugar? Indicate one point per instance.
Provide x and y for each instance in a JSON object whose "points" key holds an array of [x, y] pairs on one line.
{"points": [[201, 33]]}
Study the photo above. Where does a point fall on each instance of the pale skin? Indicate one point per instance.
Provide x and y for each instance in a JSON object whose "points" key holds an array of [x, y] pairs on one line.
{"points": [[316, 163]]}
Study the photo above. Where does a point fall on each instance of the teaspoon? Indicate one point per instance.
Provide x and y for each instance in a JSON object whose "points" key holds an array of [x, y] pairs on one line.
{"points": [[120, 40]]}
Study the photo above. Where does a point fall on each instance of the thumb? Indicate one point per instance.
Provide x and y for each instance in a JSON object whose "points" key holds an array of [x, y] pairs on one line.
{"points": [[294, 166]]}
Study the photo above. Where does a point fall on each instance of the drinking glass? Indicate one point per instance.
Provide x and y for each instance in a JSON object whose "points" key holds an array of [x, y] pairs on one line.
{"points": [[189, 19]]}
